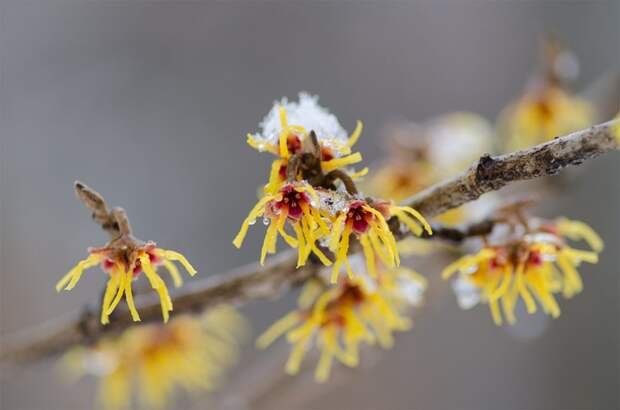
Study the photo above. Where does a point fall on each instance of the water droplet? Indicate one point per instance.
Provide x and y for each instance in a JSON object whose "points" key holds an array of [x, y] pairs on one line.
{"points": [[324, 242], [266, 221]]}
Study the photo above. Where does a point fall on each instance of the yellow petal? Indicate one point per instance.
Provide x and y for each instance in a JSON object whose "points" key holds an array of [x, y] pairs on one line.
{"points": [[322, 371], [74, 274], [356, 134], [129, 295], [174, 273], [176, 256], [336, 163], [269, 241], [254, 213], [577, 230], [277, 329], [370, 256]]}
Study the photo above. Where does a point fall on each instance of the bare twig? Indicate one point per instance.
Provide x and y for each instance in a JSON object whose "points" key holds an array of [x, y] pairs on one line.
{"points": [[253, 282], [109, 221], [491, 173], [460, 233], [248, 282]]}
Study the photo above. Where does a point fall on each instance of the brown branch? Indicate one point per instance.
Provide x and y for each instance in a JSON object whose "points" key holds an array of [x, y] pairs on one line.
{"points": [[248, 282], [491, 173], [253, 282], [460, 233]]}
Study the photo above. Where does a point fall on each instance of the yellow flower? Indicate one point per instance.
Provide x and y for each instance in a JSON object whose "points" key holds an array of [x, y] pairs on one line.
{"points": [[369, 223], [285, 132], [398, 181], [123, 259], [297, 204], [338, 320], [156, 360], [541, 115], [535, 267]]}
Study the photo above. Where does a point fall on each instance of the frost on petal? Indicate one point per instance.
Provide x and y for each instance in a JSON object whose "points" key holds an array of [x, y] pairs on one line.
{"points": [[467, 294], [306, 113], [332, 203], [412, 291], [358, 265]]}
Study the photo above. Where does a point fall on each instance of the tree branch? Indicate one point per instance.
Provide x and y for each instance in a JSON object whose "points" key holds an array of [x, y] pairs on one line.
{"points": [[254, 282], [491, 173]]}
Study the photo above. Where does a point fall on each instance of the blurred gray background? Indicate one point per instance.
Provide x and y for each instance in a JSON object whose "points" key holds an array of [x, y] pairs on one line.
{"points": [[149, 103]]}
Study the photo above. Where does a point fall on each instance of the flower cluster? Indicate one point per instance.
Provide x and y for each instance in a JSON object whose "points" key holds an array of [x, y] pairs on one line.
{"points": [[308, 200], [123, 260], [287, 131], [305, 199], [534, 264], [313, 217], [367, 220], [295, 203], [339, 319], [156, 360]]}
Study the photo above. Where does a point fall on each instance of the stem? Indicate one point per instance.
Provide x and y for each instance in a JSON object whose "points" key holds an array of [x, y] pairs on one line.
{"points": [[122, 221]]}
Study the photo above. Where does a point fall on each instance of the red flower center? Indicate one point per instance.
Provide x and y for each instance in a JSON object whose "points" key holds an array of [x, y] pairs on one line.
{"points": [[353, 293], [291, 202], [326, 154], [293, 143], [544, 109], [552, 229], [359, 217], [282, 171], [138, 265], [535, 258], [108, 264], [336, 319]]}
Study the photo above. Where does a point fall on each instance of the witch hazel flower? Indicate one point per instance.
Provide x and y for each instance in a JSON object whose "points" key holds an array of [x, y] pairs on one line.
{"points": [[124, 259], [336, 320], [319, 201], [547, 108], [151, 364], [533, 265], [542, 114], [295, 205], [366, 219], [288, 130]]}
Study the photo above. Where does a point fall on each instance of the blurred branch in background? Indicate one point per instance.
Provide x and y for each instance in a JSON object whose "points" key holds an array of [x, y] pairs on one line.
{"points": [[252, 282]]}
